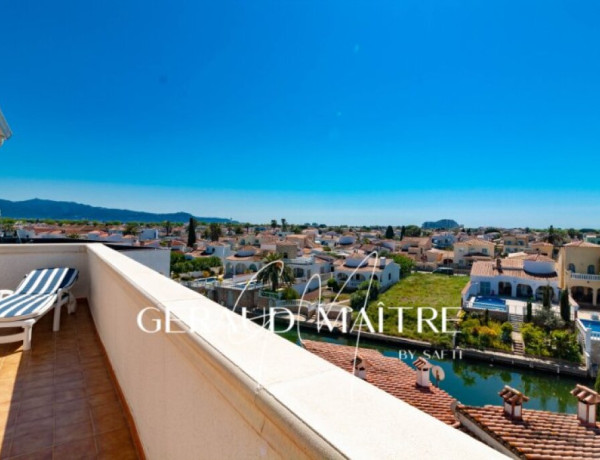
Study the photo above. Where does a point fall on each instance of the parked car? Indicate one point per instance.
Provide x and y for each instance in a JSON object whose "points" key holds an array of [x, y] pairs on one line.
{"points": [[444, 271]]}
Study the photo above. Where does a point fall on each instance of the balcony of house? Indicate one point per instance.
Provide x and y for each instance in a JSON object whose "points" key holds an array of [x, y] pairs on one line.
{"points": [[216, 386], [584, 287], [583, 276]]}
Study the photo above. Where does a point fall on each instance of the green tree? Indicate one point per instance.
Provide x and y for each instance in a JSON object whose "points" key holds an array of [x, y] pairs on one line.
{"points": [[529, 314], [412, 231], [564, 346], [373, 292], [273, 224], [284, 225], [168, 227], [73, 236], [402, 231], [546, 297], [333, 284], [357, 300], [406, 264], [131, 228], [289, 293], [276, 273], [239, 230], [191, 233], [215, 231], [565, 308], [389, 232], [506, 329], [551, 235]]}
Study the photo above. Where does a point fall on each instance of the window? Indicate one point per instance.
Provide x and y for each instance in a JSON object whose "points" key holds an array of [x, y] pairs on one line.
{"points": [[484, 250], [572, 268], [591, 269]]}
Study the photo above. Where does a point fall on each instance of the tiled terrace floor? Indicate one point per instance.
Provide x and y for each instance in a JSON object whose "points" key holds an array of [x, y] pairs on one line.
{"points": [[58, 401]]}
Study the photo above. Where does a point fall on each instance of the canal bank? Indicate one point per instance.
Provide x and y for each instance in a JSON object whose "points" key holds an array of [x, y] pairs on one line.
{"points": [[471, 381], [549, 366]]}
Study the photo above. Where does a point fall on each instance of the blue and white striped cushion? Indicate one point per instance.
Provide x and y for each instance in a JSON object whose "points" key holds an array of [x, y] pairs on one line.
{"points": [[47, 281], [25, 305]]}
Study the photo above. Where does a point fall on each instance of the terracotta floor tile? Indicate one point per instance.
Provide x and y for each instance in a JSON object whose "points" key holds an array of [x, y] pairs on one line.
{"points": [[69, 395], [65, 386], [76, 416], [8, 397], [76, 450], [5, 447], [36, 413], [32, 427], [7, 407], [29, 392], [102, 398], [73, 432], [62, 407], [102, 386], [37, 401], [44, 454], [115, 443], [35, 383], [27, 444], [112, 407], [74, 376], [58, 400], [62, 370], [108, 422]]}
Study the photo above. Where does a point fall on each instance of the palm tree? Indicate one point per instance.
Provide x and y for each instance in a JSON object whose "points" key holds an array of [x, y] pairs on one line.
{"points": [[275, 272]]}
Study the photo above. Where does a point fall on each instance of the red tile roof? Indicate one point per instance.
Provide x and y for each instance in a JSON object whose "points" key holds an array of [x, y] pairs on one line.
{"points": [[390, 375], [582, 244], [510, 267], [540, 435]]}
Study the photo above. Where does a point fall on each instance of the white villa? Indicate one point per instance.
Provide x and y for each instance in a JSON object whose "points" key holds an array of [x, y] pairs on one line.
{"points": [[357, 269], [514, 278], [244, 260], [217, 249]]}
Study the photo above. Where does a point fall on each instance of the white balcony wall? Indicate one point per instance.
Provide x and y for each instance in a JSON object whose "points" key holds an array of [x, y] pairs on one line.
{"points": [[226, 392]]}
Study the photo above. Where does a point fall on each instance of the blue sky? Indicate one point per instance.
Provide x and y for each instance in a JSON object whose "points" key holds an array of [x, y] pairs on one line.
{"points": [[336, 112]]}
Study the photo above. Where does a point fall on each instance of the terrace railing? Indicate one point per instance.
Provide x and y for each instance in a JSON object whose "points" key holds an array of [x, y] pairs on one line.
{"points": [[584, 277]]}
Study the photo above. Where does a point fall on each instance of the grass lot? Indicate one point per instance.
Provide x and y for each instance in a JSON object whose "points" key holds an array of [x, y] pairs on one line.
{"points": [[420, 290]]}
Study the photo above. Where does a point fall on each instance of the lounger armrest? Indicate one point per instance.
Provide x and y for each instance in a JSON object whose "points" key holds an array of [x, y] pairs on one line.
{"points": [[5, 293]]}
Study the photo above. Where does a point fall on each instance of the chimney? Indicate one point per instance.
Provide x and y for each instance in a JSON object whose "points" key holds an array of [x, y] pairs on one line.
{"points": [[513, 402], [360, 367], [586, 407], [382, 262], [423, 368]]}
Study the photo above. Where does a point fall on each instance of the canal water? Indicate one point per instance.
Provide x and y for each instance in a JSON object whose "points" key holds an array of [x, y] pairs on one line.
{"points": [[477, 383]]}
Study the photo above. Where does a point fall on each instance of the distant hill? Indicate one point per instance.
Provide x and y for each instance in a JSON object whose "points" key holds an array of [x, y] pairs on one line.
{"points": [[443, 223], [66, 210]]}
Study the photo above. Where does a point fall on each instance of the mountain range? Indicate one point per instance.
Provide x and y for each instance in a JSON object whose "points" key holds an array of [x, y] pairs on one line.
{"points": [[66, 210]]}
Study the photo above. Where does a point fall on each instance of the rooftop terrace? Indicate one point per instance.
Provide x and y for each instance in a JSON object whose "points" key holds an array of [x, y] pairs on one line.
{"points": [[58, 400], [219, 386]]}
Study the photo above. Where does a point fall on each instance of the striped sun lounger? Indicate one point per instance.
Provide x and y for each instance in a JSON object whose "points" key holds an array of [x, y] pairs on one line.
{"points": [[40, 291]]}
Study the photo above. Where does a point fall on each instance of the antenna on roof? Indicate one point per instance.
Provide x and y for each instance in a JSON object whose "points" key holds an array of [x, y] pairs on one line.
{"points": [[438, 374]]}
